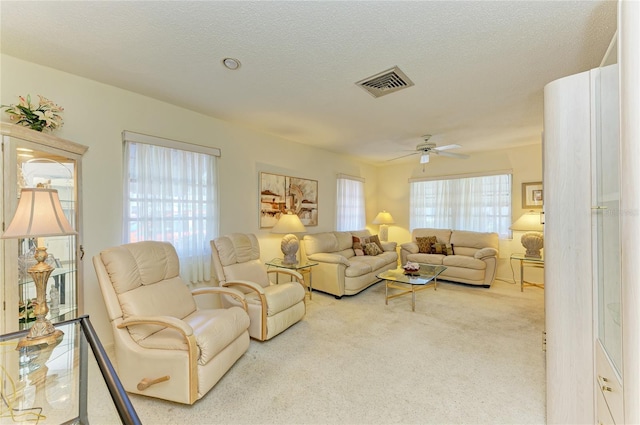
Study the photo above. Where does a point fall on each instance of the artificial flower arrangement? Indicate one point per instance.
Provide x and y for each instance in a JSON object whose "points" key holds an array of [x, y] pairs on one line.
{"points": [[41, 116], [411, 268]]}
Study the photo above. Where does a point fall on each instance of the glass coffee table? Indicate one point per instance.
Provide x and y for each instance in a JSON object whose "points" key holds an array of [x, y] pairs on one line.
{"points": [[410, 283]]}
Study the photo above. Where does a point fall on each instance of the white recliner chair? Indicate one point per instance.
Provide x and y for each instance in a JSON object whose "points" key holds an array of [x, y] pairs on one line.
{"points": [[165, 346], [272, 306]]}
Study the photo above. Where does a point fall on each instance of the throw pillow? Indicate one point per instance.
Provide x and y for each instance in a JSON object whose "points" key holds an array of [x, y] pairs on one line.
{"points": [[437, 248], [442, 248], [449, 249], [372, 248], [375, 239], [424, 244], [357, 245]]}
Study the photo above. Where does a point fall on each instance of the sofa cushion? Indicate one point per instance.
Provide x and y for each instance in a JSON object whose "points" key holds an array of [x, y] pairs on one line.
{"points": [[464, 262], [345, 241], [477, 240], [358, 267], [424, 243], [372, 248], [435, 259], [320, 242]]}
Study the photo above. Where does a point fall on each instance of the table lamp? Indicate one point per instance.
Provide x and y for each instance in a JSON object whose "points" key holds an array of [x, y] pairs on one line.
{"points": [[384, 219], [533, 239], [289, 223], [39, 214]]}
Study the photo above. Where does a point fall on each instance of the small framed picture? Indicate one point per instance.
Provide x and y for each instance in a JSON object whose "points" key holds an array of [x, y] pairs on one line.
{"points": [[532, 195]]}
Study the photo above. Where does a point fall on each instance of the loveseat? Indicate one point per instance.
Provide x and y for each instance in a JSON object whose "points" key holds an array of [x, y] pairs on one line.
{"points": [[470, 257], [340, 271]]}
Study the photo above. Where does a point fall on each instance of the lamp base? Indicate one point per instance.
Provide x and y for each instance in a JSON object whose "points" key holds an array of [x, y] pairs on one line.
{"points": [[384, 232], [42, 331], [533, 243], [289, 247], [48, 339]]}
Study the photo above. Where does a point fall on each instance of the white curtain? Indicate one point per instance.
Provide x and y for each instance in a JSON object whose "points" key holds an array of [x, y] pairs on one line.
{"points": [[172, 195], [350, 206], [481, 204]]}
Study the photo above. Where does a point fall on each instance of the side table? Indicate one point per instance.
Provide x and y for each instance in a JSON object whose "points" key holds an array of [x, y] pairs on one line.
{"points": [[531, 262], [302, 268]]}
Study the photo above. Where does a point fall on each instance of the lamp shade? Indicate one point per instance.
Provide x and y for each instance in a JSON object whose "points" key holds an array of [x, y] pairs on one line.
{"points": [[383, 218], [39, 214], [289, 223], [529, 221]]}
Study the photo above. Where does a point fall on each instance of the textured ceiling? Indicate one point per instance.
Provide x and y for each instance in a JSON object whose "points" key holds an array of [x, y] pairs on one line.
{"points": [[479, 67]]}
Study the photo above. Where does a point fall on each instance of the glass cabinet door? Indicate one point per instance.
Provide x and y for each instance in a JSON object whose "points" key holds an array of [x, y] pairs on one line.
{"points": [[607, 215], [32, 159]]}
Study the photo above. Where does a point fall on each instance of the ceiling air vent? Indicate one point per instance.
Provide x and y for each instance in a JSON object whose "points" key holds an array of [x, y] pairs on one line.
{"points": [[385, 82]]}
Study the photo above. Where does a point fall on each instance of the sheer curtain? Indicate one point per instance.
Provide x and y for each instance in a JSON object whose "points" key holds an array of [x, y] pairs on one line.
{"points": [[478, 203], [171, 194], [350, 203]]}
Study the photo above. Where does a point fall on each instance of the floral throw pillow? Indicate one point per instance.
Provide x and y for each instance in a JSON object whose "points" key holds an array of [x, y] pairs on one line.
{"points": [[372, 248], [424, 244], [375, 239]]}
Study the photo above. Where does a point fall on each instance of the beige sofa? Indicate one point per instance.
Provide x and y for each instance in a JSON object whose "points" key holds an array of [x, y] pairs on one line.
{"points": [[340, 271], [474, 259]]}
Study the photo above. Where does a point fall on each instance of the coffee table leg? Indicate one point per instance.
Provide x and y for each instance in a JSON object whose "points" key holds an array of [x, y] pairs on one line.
{"points": [[386, 292], [413, 297]]}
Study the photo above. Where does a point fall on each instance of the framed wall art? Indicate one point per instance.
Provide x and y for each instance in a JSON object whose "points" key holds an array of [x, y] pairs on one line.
{"points": [[532, 196], [279, 194]]}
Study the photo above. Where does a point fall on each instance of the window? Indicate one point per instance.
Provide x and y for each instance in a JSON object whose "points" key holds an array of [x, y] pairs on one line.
{"points": [[480, 203], [350, 203], [171, 194]]}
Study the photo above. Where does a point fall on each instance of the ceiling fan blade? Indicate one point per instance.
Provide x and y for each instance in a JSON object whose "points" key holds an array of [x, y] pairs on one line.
{"points": [[403, 156], [445, 147], [450, 154]]}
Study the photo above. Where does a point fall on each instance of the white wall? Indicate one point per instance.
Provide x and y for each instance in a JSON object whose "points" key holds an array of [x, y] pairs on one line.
{"points": [[96, 114]]}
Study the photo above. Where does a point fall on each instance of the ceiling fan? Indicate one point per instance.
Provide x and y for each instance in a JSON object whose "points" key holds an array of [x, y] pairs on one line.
{"points": [[427, 148]]}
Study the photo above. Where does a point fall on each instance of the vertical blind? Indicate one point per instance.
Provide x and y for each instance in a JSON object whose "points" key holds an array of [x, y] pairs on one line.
{"points": [[477, 203], [350, 214], [171, 194]]}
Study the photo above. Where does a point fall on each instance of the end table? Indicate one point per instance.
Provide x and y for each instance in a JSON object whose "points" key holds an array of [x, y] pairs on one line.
{"points": [[302, 268], [531, 262]]}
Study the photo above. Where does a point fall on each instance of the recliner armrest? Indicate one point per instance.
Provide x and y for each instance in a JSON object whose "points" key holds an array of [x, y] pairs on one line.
{"points": [[223, 290], [246, 283], [412, 247], [168, 321], [324, 257]]}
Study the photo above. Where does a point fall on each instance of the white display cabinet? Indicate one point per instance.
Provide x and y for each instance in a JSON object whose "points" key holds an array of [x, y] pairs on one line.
{"points": [[29, 159]]}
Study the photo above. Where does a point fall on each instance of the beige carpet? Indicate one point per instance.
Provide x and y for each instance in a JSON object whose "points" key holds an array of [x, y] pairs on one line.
{"points": [[468, 355]]}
